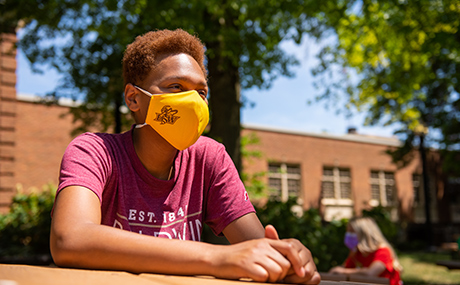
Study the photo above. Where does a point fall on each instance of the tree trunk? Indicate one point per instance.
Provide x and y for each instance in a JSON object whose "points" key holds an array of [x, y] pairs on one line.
{"points": [[426, 191], [117, 114], [224, 90]]}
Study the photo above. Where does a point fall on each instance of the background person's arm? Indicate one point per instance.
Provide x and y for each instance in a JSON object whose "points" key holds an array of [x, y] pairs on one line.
{"points": [[375, 269], [79, 240]]}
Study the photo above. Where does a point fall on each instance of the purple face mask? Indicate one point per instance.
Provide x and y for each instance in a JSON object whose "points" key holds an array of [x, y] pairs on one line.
{"points": [[351, 240]]}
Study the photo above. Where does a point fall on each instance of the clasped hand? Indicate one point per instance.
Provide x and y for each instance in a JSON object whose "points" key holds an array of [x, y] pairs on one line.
{"points": [[269, 260]]}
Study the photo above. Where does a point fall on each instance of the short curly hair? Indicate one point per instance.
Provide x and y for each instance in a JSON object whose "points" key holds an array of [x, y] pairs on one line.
{"points": [[141, 55]]}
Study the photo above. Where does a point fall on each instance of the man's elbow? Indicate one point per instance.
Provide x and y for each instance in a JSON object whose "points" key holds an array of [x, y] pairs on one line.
{"points": [[64, 250]]}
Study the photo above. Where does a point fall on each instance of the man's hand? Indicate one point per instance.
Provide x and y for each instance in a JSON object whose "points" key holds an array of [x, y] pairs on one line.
{"points": [[259, 254], [304, 272], [262, 260]]}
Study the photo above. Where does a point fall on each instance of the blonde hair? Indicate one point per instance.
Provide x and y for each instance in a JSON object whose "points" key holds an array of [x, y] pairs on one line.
{"points": [[371, 238]]}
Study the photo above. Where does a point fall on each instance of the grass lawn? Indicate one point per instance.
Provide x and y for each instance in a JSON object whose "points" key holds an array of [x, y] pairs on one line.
{"points": [[421, 268]]}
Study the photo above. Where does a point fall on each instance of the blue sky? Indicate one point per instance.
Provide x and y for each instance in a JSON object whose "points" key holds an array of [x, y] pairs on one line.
{"points": [[284, 105]]}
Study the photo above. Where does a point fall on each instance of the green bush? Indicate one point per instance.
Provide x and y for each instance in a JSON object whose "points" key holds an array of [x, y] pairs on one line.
{"points": [[25, 230], [324, 240]]}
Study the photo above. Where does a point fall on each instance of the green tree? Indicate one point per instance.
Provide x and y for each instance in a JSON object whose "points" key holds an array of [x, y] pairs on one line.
{"points": [[399, 61], [253, 182], [85, 40]]}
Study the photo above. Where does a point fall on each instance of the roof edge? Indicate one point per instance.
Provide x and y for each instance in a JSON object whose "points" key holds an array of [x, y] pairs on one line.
{"points": [[389, 141]]}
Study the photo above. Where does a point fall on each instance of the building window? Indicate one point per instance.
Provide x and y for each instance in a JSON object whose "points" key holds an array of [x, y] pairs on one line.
{"points": [[284, 180], [417, 186], [419, 198], [336, 184], [383, 190]]}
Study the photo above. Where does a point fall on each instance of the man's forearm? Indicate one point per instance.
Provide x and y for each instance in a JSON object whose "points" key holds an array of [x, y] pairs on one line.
{"points": [[103, 247]]}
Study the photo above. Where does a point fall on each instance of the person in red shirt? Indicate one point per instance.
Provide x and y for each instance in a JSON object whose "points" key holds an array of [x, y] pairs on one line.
{"points": [[370, 253]]}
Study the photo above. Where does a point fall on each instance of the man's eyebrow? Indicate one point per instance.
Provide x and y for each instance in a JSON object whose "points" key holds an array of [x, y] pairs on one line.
{"points": [[186, 78]]}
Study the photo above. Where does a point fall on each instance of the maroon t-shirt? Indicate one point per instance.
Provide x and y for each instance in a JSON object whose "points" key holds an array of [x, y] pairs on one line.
{"points": [[205, 187]]}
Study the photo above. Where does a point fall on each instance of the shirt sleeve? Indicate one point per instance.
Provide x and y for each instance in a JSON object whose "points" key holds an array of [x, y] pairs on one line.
{"points": [[86, 162], [384, 255], [349, 262], [227, 199]]}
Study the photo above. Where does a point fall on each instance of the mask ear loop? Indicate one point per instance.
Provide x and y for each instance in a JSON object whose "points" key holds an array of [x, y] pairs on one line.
{"points": [[143, 91], [138, 126]]}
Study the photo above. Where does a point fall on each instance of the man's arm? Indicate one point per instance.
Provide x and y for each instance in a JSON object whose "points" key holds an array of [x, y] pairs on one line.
{"points": [[244, 228], [79, 240]]}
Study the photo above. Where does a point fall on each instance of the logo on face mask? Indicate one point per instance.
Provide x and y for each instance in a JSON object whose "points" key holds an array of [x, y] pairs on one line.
{"points": [[167, 115]]}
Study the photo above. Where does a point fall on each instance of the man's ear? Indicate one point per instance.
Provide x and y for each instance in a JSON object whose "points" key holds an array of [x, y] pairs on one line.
{"points": [[131, 97]]}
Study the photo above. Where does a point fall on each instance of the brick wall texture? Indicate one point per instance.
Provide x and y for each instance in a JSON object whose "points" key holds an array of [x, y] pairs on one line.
{"points": [[42, 136], [7, 117]]}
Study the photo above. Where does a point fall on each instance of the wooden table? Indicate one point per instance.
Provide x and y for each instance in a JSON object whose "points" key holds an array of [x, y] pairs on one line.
{"points": [[35, 275], [353, 279]]}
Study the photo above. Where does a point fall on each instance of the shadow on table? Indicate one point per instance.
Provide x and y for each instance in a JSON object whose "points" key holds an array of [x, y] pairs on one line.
{"points": [[37, 259]]}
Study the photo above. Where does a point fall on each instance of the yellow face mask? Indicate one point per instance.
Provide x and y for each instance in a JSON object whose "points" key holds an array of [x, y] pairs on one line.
{"points": [[180, 118]]}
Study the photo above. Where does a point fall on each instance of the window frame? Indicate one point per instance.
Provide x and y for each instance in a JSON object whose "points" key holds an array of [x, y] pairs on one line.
{"points": [[417, 188], [337, 180], [381, 181], [284, 176]]}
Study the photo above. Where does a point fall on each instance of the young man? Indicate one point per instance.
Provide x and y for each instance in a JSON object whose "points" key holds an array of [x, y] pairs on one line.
{"points": [[161, 181]]}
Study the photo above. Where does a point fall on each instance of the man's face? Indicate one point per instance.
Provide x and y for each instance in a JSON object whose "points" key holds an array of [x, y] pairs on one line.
{"points": [[174, 73], [178, 73]]}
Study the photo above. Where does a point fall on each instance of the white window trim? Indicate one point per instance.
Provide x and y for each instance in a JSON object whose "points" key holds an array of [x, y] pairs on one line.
{"points": [[337, 202]]}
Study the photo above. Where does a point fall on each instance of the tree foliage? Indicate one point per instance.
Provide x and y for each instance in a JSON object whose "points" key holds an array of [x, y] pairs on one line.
{"points": [[85, 40], [253, 182], [399, 61]]}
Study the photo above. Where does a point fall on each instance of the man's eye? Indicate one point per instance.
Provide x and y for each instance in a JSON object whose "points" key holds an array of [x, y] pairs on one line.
{"points": [[175, 86], [202, 92]]}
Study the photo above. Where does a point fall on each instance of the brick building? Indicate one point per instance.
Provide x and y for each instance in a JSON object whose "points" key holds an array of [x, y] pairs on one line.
{"points": [[344, 174], [33, 136], [7, 116], [340, 174]]}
